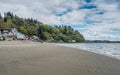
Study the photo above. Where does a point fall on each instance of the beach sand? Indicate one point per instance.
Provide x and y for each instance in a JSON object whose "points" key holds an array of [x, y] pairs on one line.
{"points": [[31, 58]]}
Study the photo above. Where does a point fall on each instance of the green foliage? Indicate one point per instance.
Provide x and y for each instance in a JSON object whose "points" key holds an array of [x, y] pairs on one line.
{"points": [[65, 38], [22, 30], [65, 33], [46, 35], [32, 27], [31, 30]]}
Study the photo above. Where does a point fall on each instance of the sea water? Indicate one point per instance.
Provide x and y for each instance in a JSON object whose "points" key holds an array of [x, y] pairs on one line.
{"points": [[109, 49]]}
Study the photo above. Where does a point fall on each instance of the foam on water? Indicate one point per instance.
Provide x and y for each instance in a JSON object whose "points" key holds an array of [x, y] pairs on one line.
{"points": [[109, 49]]}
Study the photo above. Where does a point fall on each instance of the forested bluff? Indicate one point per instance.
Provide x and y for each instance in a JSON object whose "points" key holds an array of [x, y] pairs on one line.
{"points": [[33, 27]]}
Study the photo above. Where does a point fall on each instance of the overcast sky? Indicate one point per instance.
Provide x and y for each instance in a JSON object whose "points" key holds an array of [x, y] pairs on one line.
{"points": [[95, 19]]}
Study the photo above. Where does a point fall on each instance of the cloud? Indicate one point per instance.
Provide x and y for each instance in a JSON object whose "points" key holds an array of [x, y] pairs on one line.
{"points": [[99, 19], [75, 17], [102, 31]]}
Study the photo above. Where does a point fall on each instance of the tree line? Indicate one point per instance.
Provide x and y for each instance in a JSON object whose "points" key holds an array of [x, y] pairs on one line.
{"points": [[32, 27]]}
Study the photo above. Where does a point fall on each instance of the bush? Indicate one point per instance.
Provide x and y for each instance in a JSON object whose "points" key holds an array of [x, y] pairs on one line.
{"points": [[22, 30]]}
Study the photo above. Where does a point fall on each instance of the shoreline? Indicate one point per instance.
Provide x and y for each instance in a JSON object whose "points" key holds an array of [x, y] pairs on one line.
{"points": [[92, 52], [89, 51], [52, 59]]}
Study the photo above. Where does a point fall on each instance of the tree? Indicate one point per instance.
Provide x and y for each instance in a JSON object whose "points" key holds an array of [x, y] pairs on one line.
{"points": [[5, 19], [10, 14], [65, 38], [0, 16], [2, 24], [22, 30], [46, 36], [32, 30]]}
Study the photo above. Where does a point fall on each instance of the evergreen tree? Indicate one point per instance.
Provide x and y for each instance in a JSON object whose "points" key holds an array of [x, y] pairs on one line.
{"points": [[0, 16]]}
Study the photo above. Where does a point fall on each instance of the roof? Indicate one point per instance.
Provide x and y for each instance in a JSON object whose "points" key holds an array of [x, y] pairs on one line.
{"points": [[5, 29]]}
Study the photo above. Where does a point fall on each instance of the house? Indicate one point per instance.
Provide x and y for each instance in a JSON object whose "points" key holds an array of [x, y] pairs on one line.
{"points": [[6, 34], [11, 34]]}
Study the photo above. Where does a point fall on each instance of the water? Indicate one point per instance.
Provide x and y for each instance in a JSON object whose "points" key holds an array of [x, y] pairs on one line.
{"points": [[109, 49]]}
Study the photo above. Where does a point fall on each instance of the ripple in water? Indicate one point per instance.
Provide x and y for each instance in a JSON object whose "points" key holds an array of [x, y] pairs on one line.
{"points": [[109, 49]]}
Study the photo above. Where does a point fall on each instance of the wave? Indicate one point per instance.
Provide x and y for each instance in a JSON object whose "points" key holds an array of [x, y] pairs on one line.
{"points": [[109, 49]]}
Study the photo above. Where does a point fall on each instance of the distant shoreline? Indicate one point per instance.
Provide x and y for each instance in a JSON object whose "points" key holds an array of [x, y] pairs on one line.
{"points": [[101, 41]]}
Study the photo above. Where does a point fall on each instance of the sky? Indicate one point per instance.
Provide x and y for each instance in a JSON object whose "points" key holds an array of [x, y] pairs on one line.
{"points": [[94, 19]]}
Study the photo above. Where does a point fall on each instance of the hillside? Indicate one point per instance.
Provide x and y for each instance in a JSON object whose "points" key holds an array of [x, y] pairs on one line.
{"points": [[45, 32]]}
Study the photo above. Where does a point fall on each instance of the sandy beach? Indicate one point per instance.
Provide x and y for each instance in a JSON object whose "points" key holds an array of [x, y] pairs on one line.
{"points": [[33, 58]]}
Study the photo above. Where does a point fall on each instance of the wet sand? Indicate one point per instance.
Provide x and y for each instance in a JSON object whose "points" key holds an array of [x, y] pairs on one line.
{"points": [[31, 58]]}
